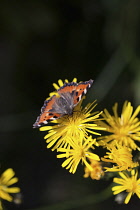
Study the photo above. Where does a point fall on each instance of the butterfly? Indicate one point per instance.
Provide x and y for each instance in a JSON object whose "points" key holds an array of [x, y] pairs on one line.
{"points": [[69, 95]]}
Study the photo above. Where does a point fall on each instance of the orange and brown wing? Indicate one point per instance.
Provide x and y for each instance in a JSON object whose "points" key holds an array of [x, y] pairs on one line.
{"points": [[81, 90], [68, 87], [46, 114], [78, 90]]}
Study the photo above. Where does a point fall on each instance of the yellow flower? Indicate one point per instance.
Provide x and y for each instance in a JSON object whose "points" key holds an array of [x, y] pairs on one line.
{"points": [[7, 179], [97, 171], [78, 151], [121, 156], [128, 183], [124, 129], [81, 122]]}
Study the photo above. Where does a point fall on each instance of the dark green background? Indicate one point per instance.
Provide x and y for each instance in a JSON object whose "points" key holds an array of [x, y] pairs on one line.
{"points": [[41, 42]]}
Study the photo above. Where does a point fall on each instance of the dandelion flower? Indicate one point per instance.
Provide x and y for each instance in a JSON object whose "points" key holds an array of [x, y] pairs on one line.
{"points": [[78, 151], [7, 179], [124, 129], [81, 122], [127, 183], [121, 156], [97, 171]]}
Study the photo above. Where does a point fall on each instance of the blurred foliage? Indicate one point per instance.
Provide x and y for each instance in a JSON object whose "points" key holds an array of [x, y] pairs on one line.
{"points": [[42, 41]]}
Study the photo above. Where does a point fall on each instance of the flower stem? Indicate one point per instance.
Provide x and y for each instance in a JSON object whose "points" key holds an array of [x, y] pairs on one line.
{"points": [[87, 200]]}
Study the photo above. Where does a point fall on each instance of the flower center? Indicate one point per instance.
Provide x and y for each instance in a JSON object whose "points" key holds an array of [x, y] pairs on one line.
{"points": [[122, 131], [74, 121], [132, 186], [80, 153]]}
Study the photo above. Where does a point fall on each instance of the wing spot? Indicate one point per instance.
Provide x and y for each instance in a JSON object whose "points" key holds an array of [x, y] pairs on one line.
{"points": [[73, 92], [78, 99], [85, 91], [50, 114], [76, 93], [45, 122]]}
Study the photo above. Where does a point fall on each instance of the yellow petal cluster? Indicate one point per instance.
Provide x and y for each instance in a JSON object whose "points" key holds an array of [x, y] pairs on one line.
{"points": [[96, 172], [7, 179], [128, 183], [81, 123], [78, 151], [124, 129], [121, 156]]}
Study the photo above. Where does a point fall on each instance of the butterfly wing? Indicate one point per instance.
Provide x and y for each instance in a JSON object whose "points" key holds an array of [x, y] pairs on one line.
{"points": [[77, 90], [81, 90], [46, 113], [71, 94], [68, 88]]}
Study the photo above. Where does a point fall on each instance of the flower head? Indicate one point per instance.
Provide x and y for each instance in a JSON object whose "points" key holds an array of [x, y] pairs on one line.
{"points": [[121, 156], [7, 179], [97, 171], [78, 151], [127, 183], [124, 129], [81, 122]]}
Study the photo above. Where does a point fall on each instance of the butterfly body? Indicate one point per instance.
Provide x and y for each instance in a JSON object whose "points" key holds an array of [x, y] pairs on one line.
{"points": [[68, 97], [63, 104]]}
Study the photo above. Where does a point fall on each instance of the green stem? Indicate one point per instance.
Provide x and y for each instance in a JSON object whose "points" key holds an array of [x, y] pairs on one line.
{"points": [[87, 200]]}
